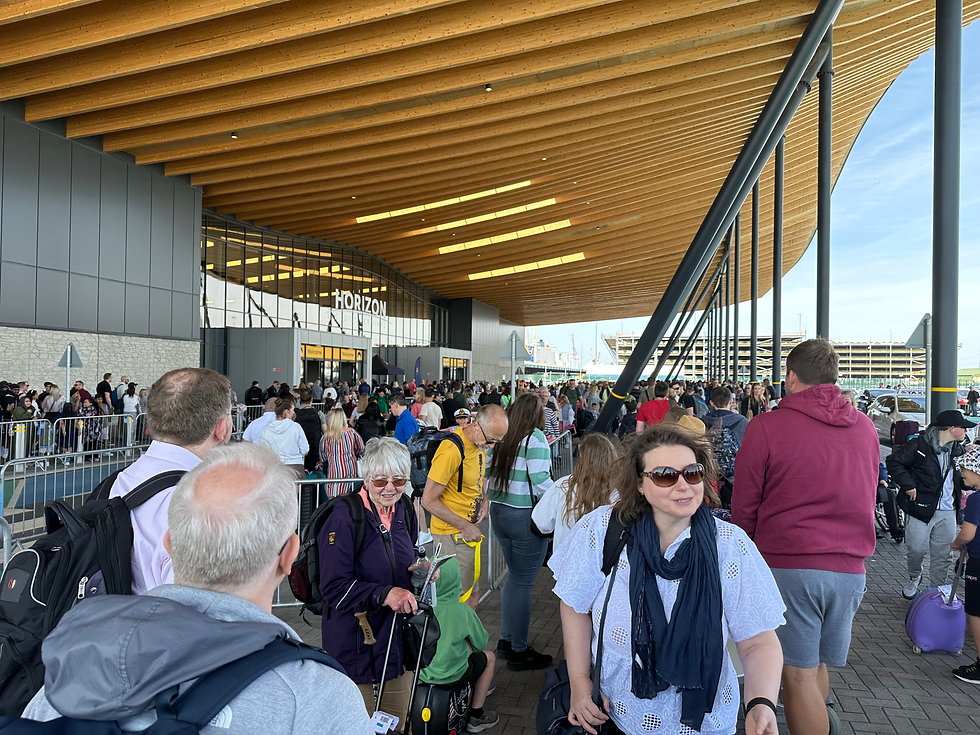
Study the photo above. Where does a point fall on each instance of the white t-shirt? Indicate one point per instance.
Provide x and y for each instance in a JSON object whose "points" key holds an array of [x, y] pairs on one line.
{"points": [[131, 404], [750, 602], [548, 514], [431, 414]]}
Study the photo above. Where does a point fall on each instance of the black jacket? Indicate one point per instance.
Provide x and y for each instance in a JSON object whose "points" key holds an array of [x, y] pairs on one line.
{"points": [[253, 396], [915, 465]]}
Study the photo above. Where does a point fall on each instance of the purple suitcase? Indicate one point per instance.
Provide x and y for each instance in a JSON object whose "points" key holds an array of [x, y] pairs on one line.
{"points": [[937, 623]]}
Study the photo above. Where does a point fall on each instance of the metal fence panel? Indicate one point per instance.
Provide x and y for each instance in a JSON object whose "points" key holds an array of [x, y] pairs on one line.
{"points": [[30, 484]]}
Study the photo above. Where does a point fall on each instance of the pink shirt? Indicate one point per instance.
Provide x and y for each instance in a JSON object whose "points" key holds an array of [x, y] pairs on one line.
{"points": [[151, 562]]}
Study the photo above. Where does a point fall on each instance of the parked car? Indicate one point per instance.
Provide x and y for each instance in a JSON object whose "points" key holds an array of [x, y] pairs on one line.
{"points": [[891, 408], [868, 395]]}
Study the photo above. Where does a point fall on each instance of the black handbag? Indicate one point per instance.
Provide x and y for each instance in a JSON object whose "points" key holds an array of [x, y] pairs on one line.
{"points": [[556, 694], [412, 627]]}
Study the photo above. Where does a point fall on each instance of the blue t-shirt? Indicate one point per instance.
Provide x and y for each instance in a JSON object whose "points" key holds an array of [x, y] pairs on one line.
{"points": [[406, 426], [972, 515]]}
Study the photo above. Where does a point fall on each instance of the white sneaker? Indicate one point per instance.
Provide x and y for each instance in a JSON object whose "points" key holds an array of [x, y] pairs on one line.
{"points": [[911, 587]]}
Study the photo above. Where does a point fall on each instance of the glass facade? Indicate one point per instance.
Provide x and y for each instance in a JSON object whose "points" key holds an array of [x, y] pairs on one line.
{"points": [[257, 278]]}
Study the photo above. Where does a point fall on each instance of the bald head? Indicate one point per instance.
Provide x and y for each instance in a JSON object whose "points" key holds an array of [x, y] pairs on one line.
{"points": [[229, 518]]}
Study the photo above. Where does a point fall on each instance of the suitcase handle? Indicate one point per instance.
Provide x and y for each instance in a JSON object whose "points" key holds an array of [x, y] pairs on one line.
{"points": [[957, 575]]}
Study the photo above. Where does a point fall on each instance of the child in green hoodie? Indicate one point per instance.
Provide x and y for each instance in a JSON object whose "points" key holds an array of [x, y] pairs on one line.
{"points": [[460, 658]]}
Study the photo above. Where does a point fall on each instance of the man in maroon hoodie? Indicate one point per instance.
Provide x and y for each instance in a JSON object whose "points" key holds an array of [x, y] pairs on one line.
{"points": [[805, 482]]}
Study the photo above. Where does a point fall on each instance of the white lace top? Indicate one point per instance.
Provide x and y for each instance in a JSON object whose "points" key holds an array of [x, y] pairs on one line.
{"points": [[750, 600]]}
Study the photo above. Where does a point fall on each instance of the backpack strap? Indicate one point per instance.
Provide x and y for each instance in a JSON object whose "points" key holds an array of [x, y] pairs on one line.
{"points": [[212, 692], [411, 520], [617, 536], [102, 490], [151, 487], [114, 531], [462, 455], [356, 509]]}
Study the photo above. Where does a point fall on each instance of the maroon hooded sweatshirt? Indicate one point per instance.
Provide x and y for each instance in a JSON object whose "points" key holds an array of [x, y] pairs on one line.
{"points": [[806, 478]]}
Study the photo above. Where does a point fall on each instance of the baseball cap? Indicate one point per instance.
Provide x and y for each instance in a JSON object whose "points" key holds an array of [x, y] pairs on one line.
{"points": [[952, 417], [970, 460], [462, 413]]}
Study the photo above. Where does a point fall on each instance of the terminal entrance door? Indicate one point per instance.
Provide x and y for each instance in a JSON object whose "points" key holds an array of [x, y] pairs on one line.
{"points": [[454, 368], [331, 364]]}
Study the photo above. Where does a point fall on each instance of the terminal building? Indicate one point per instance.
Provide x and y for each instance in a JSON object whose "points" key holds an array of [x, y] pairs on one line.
{"points": [[888, 362]]}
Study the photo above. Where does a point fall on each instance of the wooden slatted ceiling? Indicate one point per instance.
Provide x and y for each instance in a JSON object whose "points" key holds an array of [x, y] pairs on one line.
{"points": [[619, 119]]}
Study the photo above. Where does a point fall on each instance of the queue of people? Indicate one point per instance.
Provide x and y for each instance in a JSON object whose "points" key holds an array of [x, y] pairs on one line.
{"points": [[672, 544]]}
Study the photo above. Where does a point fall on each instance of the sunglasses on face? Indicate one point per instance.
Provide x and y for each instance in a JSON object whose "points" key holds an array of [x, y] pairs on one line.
{"points": [[667, 476], [382, 482]]}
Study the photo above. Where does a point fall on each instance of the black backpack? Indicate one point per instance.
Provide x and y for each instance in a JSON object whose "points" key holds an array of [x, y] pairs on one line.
{"points": [[304, 577], [422, 447], [84, 552], [190, 712], [308, 419]]}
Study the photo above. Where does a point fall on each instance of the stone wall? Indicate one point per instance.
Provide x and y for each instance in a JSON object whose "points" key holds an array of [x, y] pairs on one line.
{"points": [[33, 355]]}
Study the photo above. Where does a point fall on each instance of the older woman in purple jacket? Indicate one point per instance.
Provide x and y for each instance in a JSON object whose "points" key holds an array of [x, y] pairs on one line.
{"points": [[376, 582]]}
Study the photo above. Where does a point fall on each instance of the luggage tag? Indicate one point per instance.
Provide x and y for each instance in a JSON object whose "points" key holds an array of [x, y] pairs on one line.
{"points": [[383, 723]]}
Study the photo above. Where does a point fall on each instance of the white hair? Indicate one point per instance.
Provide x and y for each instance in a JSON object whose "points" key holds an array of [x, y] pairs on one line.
{"points": [[385, 457], [223, 546]]}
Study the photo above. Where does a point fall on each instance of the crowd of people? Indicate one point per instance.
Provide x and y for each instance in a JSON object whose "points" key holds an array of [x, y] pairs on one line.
{"points": [[675, 537]]}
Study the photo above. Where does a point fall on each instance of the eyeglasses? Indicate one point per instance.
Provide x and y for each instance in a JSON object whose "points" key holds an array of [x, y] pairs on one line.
{"points": [[667, 476], [487, 439], [382, 482]]}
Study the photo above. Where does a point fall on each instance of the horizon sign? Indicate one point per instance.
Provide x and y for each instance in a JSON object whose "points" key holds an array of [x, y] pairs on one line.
{"points": [[347, 301]]}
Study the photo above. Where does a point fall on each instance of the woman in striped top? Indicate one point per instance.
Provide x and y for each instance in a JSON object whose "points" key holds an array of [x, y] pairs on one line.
{"points": [[339, 449], [519, 472]]}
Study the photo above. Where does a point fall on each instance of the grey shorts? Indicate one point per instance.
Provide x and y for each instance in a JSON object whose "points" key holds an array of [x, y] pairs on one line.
{"points": [[820, 608]]}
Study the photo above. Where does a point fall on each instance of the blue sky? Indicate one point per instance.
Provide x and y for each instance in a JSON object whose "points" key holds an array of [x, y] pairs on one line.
{"points": [[881, 234]]}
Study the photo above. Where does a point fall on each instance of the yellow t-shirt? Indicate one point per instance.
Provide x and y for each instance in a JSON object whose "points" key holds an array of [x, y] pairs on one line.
{"points": [[445, 471]]}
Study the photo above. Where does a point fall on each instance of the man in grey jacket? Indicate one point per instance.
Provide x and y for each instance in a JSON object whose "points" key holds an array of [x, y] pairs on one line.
{"points": [[232, 539]]}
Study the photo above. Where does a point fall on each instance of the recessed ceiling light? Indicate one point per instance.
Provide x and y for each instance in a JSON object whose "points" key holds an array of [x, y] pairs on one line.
{"points": [[544, 159], [353, 197], [489, 87], [234, 135]]}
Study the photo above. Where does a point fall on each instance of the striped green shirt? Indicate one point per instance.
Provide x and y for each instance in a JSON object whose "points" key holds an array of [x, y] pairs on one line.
{"points": [[532, 469]]}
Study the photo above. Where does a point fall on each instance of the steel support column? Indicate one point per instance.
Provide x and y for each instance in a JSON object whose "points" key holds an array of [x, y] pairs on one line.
{"points": [[736, 252], [726, 352], [777, 266], [754, 289], [825, 115], [691, 342], [946, 204], [690, 307], [793, 84]]}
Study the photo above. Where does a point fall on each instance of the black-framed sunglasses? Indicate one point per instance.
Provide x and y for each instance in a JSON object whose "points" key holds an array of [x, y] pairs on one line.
{"points": [[667, 476]]}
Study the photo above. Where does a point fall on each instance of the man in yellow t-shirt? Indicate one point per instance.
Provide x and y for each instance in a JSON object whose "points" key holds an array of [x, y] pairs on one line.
{"points": [[457, 512]]}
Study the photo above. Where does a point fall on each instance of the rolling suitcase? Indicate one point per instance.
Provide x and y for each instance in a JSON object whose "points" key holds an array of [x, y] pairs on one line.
{"points": [[440, 711], [904, 430], [935, 622]]}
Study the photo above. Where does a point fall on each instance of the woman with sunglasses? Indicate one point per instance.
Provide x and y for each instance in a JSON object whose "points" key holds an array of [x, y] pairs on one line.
{"points": [[376, 581], [519, 474], [685, 583]]}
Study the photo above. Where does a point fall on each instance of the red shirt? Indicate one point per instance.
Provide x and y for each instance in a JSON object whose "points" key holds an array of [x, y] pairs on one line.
{"points": [[653, 412]]}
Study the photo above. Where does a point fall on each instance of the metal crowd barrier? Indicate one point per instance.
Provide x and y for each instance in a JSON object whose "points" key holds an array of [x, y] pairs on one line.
{"points": [[21, 439], [29, 484], [496, 565]]}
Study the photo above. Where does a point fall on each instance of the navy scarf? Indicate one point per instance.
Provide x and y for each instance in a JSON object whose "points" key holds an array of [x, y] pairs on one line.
{"points": [[687, 652]]}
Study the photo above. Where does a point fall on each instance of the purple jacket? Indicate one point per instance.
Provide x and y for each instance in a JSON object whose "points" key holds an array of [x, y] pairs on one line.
{"points": [[352, 585]]}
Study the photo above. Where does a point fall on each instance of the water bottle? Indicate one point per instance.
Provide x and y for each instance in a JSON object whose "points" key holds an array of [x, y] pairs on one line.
{"points": [[419, 571]]}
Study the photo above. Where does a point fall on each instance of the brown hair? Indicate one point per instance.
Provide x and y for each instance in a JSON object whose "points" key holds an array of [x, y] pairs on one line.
{"points": [[305, 395], [632, 504], [589, 486], [185, 405], [524, 415], [814, 362], [283, 404]]}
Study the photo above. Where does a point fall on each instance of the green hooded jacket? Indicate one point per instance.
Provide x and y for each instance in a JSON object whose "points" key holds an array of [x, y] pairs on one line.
{"points": [[459, 626]]}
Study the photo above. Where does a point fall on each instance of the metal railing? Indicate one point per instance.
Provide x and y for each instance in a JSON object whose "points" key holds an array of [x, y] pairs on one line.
{"points": [[31, 483], [20, 439], [495, 564]]}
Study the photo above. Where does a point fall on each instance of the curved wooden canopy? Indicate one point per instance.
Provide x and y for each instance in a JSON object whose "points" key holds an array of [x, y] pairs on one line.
{"points": [[569, 191]]}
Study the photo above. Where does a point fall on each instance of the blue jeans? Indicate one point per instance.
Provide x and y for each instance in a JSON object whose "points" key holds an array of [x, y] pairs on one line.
{"points": [[524, 553]]}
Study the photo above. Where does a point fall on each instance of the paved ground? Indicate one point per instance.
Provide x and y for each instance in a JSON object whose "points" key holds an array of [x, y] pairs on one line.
{"points": [[885, 689]]}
